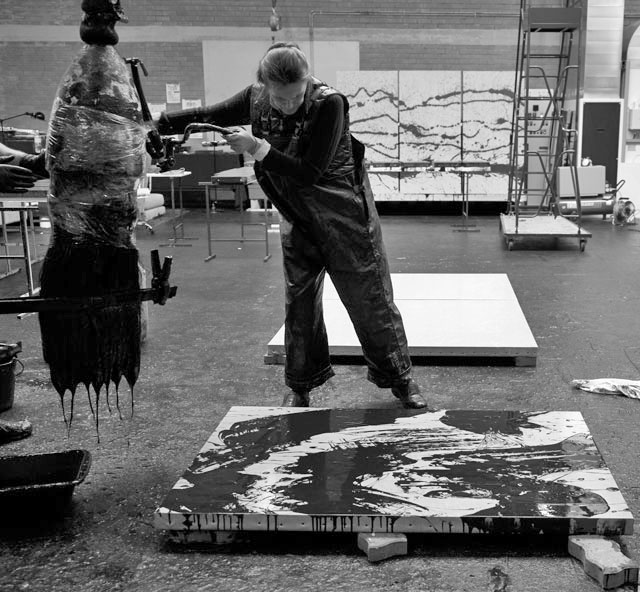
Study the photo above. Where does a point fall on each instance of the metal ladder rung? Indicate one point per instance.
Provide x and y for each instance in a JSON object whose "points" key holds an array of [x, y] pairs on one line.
{"points": [[540, 76], [551, 29], [540, 136], [555, 56], [549, 136], [538, 120]]}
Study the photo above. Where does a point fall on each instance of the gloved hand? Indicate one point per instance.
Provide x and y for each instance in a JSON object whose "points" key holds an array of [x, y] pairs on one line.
{"points": [[35, 163], [241, 141], [14, 179], [154, 145]]}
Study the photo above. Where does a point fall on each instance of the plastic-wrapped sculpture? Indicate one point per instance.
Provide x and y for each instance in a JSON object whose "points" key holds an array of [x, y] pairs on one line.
{"points": [[95, 156]]}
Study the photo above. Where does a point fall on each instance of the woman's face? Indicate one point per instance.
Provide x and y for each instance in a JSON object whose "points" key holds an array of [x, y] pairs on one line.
{"points": [[287, 98]]}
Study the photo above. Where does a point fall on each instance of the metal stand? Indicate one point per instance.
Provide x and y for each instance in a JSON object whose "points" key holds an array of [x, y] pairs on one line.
{"points": [[25, 213], [26, 200], [464, 192], [5, 243], [464, 170], [233, 179], [178, 219]]}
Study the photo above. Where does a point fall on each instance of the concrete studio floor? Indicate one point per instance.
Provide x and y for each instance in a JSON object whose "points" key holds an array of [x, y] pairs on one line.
{"points": [[204, 353]]}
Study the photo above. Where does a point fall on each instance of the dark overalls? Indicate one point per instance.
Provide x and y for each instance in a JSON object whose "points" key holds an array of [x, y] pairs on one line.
{"points": [[330, 226]]}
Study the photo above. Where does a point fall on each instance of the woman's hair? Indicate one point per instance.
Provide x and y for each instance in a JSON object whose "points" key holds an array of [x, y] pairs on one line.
{"points": [[282, 64]]}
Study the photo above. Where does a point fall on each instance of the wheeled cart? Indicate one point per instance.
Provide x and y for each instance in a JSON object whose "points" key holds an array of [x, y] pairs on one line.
{"points": [[520, 228]]}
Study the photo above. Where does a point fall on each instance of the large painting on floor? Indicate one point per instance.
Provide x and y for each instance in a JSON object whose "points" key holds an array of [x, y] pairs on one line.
{"points": [[396, 470]]}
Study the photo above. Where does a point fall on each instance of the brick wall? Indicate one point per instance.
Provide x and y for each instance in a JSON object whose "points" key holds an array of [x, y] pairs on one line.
{"points": [[435, 57], [31, 69], [252, 13], [31, 73], [169, 63]]}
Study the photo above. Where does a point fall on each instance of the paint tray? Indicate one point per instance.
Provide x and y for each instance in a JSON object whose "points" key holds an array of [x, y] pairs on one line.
{"points": [[38, 482]]}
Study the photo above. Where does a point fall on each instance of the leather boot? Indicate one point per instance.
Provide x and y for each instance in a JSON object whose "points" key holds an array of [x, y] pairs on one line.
{"points": [[409, 395], [296, 399]]}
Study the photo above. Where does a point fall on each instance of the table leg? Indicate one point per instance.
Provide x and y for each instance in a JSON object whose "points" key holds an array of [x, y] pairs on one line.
{"points": [[173, 210], [180, 223], [243, 238], [208, 217], [34, 257], [183, 237], [235, 193], [464, 180], [5, 238], [177, 218], [464, 189], [267, 255], [24, 232]]}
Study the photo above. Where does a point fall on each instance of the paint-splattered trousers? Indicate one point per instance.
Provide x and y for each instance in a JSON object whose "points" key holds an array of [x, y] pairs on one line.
{"points": [[343, 239]]}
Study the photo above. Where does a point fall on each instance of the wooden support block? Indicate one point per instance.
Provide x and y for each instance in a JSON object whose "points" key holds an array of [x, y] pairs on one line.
{"points": [[521, 361], [273, 358], [381, 545], [604, 561], [209, 537]]}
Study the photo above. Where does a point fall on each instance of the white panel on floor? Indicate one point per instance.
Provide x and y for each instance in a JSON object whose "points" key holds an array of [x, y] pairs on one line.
{"points": [[443, 286], [456, 315]]}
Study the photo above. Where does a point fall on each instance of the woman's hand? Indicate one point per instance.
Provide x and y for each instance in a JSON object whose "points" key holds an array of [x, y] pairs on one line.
{"points": [[36, 163], [241, 141], [14, 179]]}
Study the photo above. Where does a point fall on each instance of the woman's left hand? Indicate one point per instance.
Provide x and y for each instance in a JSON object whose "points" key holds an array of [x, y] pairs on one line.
{"points": [[241, 141]]}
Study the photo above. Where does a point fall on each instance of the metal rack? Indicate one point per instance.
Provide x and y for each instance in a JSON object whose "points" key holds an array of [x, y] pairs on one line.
{"points": [[234, 179], [544, 134]]}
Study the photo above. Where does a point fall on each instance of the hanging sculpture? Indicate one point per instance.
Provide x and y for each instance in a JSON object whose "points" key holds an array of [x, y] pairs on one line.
{"points": [[95, 156]]}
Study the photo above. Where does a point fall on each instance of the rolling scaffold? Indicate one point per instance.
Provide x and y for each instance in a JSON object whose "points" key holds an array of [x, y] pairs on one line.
{"points": [[551, 79]]}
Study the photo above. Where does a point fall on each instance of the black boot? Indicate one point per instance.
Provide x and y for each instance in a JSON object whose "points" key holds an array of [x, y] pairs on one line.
{"points": [[409, 394], [296, 399]]}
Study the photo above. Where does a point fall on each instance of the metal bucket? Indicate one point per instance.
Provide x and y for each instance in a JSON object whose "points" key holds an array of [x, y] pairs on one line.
{"points": [[8, 382]]}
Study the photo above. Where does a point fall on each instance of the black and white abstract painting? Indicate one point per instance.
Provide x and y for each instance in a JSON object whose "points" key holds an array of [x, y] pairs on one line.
{"points": [[415, 116], [391, 470]]}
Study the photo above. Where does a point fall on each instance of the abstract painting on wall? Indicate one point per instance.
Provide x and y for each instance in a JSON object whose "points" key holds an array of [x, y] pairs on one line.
{"points": [[395, 470], [373, 112], [430, 109], [487, 113], [443, 116]]}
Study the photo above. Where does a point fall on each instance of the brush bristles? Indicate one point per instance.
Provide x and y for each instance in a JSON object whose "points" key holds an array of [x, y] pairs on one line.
{"points": [[93, 347]]}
